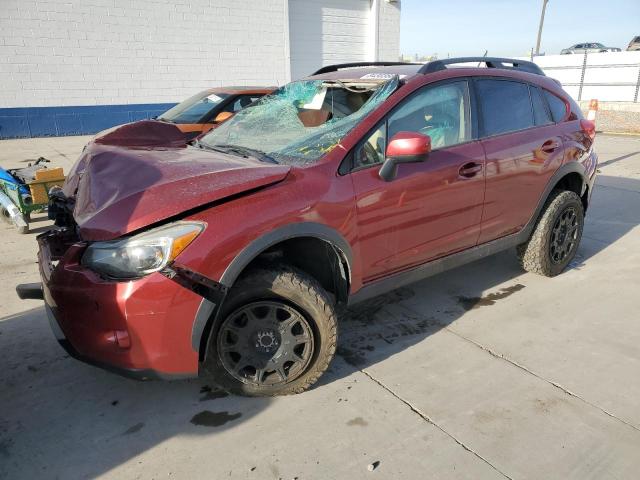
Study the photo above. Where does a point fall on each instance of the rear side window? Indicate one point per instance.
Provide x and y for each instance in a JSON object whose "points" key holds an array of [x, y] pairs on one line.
{"points": [[505, 106], [557, 106], [541, 114]]}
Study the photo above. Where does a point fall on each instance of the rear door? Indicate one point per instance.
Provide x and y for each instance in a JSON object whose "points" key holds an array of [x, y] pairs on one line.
{"points": [[431, 208], [522, 149]]}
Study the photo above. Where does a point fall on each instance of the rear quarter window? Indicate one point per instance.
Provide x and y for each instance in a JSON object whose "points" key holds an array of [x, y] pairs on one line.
{"points": [[541, 113], [557, 106], [505, 106]]}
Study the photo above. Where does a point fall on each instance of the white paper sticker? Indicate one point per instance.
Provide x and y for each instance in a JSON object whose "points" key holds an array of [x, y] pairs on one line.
{"points": [[377, 76], [214, 98], [380, 76]]}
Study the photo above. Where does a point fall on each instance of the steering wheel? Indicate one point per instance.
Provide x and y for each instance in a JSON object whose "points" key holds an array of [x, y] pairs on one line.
{"points": [[370, 154]]}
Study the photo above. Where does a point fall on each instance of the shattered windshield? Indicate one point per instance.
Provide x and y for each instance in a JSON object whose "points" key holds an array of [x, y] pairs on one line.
{"points": [[301, 121]]}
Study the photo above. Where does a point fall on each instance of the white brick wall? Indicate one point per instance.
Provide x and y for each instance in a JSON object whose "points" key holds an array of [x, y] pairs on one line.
{"points": [[105, 52]]}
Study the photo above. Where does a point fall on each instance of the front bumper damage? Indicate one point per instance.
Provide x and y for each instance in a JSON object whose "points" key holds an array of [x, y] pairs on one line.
{"points": [[149, 328]]}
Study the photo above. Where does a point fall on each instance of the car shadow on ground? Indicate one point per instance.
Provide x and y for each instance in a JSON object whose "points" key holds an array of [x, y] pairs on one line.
{"points": [[96, 420], [90, 420]]}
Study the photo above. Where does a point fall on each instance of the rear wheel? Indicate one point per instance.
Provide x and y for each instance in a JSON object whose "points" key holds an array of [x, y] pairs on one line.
{"points": [[556, 237], [275, 335]]}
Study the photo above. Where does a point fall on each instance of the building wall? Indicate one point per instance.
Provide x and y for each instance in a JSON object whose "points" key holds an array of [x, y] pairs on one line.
{"points": [[79, 66], [136, 55], [325, 32], [389, 30], [97, 52]]}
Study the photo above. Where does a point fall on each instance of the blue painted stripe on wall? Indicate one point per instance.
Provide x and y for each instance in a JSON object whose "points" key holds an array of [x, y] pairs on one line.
{"points": [[60, 121]]}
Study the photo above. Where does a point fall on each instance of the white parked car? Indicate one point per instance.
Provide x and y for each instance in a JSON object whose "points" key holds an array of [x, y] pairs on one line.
{"points": [[588, 48]]}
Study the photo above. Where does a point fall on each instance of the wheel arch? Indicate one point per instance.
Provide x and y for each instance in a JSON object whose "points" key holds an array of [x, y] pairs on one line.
{"points": [[294, 231], [575, 182], [570, 176], [284, 244]]}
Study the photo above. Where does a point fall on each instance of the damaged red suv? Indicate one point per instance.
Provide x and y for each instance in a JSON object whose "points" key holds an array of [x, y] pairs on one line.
{"points": [[228, 257]]}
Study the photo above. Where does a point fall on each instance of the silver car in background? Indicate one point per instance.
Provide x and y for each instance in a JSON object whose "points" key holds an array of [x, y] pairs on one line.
{"points": [[588, 48]]}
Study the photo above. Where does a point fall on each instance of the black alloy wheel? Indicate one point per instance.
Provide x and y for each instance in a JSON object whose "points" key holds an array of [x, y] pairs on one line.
{"points": [[564, 235], [265, 343]]}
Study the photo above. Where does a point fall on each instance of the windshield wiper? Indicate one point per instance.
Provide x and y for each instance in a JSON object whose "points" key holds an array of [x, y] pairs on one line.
{"points": [[203, 146], [245, 152]]}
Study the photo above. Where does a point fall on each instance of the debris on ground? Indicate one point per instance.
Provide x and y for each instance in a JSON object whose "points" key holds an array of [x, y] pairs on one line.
{"points": [[373, 466]]}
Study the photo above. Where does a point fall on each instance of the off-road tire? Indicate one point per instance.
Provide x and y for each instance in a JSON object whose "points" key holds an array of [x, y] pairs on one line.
{"points": [[535, 254], [296, 289]]}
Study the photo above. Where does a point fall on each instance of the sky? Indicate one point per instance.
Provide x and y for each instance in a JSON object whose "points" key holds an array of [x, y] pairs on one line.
{"points": [[510, 27]]}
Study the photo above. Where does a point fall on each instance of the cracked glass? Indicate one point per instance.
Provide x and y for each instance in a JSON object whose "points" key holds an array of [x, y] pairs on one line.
{"points": [[302, 121]]}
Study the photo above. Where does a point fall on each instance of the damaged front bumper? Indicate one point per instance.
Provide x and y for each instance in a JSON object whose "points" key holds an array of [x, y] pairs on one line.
{"points": [[142, 328]]}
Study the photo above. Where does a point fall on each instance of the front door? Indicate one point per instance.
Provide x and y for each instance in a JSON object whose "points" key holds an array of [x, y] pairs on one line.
{"points": [[432, 208]]}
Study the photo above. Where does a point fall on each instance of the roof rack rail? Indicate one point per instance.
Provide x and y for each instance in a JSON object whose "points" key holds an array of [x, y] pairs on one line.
{"points": [[491, 62], [340, 66]]}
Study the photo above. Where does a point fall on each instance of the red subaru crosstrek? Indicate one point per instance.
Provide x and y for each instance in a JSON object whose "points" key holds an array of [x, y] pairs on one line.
{"points": [[228, 256]]}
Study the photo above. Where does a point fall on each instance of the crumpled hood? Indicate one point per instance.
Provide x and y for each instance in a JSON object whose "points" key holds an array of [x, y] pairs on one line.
{"points": [[118, 190]]}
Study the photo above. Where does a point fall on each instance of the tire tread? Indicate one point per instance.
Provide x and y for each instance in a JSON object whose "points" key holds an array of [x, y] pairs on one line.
{"points": [[291, 279], [534, 254]]}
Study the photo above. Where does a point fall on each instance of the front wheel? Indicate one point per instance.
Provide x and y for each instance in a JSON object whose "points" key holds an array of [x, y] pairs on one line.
{"points": [[275, 335], [556, 237]]}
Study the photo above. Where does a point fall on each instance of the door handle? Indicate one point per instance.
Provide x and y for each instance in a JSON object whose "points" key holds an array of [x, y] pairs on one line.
{"points": [[470, 169], [549, 146]]}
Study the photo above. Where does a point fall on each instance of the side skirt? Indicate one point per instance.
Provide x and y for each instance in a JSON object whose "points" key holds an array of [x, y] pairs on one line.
{"points": [[397, 280]]}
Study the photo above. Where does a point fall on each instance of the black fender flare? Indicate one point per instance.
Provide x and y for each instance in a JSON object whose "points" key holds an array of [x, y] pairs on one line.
{"points": [[280, 234], [562, 171], [207, 308]]}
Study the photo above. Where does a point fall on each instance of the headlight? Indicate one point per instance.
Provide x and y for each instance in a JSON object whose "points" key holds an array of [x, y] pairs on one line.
{"points": [[141, 254]]}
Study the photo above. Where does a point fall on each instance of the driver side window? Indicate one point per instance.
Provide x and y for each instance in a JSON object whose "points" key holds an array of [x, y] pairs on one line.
{"points": [[440, 112]]}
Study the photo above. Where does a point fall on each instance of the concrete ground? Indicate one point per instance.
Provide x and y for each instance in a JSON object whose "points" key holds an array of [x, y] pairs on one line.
{"points": [[482, 372]]}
